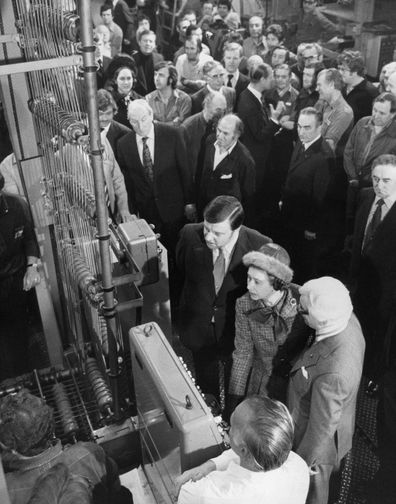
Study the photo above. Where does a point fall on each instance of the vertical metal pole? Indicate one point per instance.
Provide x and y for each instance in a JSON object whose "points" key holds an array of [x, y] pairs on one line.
{"points": [[109, 310]]}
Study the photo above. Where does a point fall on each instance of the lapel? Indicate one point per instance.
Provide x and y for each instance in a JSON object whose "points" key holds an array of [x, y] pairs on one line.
{"points": [[206, 258], [135, 152], [301, 156], [364, 213], [158, 147], [317, 351], [227, 162]]}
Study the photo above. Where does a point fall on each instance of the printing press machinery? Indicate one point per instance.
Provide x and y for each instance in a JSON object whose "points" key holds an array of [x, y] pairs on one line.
{"points": [[104, 297]]}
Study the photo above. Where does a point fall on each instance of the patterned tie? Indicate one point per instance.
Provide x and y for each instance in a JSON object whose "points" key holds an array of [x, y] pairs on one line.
{"points": [[229, 82], [264, 108], [147, 161], [219, 270], [374, 223]]}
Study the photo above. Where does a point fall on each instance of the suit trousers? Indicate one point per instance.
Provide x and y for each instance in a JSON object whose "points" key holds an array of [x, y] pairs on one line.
{"points": [[209, 362], [324, 486]]}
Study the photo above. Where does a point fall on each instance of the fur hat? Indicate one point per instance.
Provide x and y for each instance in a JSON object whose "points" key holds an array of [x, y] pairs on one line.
{"points": [[271, 258]]}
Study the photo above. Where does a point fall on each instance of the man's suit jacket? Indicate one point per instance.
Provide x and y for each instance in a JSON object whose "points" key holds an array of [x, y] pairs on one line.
{"points": [[258, 131], [172, 184], [114, 133], [144, 87], [241, 84], [376, 268], [198, 99], [322, 394], [199, 303], [233, 176], [307, 185], [194, 128]]}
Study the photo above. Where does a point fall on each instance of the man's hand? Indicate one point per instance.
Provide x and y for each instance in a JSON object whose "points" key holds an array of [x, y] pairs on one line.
{"points": [[31, 279], [276, 112], [308, 235], [195, 474], [190, 212]]}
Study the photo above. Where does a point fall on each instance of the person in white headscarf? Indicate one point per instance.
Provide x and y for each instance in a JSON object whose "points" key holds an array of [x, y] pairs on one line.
{"points": [[324, 383]]}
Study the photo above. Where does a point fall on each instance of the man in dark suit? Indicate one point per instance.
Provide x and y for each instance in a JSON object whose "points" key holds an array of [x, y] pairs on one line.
{"points": [[260, 125], [209, 256], [213, 73], [198, 127], [324, 384], [373, 265], [113, 129], [146, 58], [228, 167], [232, 59], [154, 162], [304, 195]]}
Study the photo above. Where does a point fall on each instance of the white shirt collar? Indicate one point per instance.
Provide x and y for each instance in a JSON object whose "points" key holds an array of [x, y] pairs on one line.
{"points": [[106, 129], [256, 93], [228, 151], [308, 144], [389, 201], [227, 249], [150, 134]]}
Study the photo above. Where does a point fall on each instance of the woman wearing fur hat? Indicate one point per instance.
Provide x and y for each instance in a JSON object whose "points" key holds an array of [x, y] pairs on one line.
{"points": [[269, 330]]}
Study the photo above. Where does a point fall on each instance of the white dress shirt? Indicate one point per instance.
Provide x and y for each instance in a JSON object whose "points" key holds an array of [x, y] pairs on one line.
{"points": [[219, 156], [227, 249], [232, 484], [388, 203], [150, 143]]}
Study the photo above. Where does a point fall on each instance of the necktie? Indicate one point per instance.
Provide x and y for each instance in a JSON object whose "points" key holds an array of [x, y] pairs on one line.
{"points": [[374, 223], [270, 315], [229, 82], [219, 270], [264, 108], [147, 161]]}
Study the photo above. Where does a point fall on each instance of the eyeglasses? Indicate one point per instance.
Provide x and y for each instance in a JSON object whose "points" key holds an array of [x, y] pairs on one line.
{"points": [[301, 310]]}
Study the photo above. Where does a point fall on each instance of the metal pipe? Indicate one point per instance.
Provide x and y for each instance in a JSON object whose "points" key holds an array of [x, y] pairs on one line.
{"points": [[109, 310]]}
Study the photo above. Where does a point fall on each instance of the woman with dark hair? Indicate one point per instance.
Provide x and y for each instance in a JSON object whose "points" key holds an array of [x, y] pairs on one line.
{"points": [[121, 87], [268, 330]]}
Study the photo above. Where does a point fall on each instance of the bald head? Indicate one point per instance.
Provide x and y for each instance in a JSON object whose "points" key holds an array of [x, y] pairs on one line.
{"points": [[229, 129], [140, 115], [214, 106]]}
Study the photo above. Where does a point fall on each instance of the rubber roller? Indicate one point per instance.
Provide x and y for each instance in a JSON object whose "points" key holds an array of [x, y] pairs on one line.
{"points": [[99, 385], [69, 424]]}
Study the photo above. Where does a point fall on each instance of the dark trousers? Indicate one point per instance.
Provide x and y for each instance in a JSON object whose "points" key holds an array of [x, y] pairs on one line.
{"points": [[14, 327], [210, 365]]}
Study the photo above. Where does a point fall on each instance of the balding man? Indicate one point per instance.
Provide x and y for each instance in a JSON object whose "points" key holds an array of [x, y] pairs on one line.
{"points": [[260, 466], [228, 166], [154, 161], [198, 127], [213, 73], [255, 43]]}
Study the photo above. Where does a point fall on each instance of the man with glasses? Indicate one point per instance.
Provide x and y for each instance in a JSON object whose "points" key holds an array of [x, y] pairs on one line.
{"points": [[213, 73], [313, 26], [324, 384]]}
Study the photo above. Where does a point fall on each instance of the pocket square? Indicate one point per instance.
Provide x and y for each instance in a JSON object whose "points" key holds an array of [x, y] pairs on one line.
{"points": [[229, 176]]}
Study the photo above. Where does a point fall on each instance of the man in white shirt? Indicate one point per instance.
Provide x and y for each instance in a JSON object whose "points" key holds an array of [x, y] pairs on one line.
{"points": [[228, 165], [260, 466], [232, 58]]}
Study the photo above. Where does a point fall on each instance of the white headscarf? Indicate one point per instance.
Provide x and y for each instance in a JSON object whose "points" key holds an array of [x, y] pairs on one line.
{"points": [[329, 306]]}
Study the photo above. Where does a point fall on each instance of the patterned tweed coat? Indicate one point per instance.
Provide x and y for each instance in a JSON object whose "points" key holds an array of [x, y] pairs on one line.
{"points": [[262, 358]]}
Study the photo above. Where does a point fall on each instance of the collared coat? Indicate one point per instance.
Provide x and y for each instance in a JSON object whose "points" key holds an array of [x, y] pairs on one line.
{"points": [[262, 358], [322, 394]]}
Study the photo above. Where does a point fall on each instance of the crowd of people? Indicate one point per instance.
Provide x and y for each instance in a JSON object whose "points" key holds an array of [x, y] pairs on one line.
{"points": [[269, 171]]}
